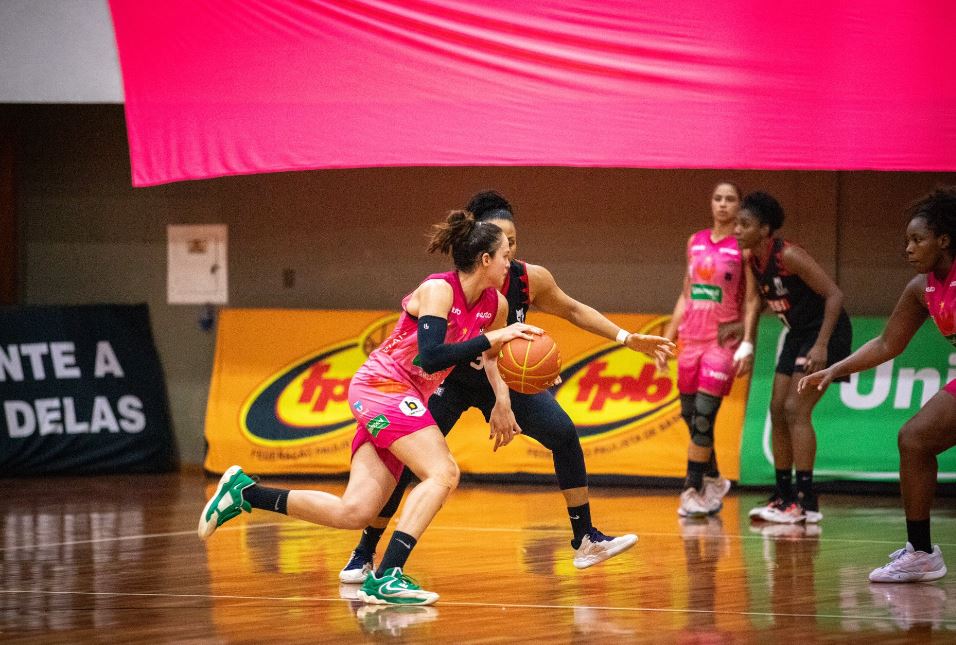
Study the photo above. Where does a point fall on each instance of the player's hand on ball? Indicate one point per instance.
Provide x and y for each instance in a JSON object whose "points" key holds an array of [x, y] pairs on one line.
{"points": [[498, 337]]}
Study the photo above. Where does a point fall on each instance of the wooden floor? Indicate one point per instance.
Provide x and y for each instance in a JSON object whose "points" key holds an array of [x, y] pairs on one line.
{"points": [[116, 559]]}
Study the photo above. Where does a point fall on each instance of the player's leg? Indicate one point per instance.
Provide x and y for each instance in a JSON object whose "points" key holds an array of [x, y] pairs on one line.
{"points": [[715, 382], [426, 454], [781, 448], [798, 410], [446, 407], [930, 432], [542, 418], [692, 502], [370, 483]]}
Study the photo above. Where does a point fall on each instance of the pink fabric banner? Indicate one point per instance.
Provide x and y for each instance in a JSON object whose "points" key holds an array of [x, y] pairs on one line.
{"points": [[224, 87]]}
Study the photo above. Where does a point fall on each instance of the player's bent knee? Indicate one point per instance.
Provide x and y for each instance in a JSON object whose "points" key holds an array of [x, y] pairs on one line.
{"points": [[357, 515], [916, 437], [447, 476]]}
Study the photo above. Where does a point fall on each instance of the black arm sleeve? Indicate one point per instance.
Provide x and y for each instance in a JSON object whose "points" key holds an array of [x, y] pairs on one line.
{"points": [[436, 354]]}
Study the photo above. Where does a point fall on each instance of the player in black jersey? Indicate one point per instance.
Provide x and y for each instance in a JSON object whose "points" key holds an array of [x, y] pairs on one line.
{"points": [[539, 415], [810, 304]]}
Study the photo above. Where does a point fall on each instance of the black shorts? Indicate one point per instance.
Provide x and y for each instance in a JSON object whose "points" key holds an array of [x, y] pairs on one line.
{"points": [[540, 416], [798, 343]]}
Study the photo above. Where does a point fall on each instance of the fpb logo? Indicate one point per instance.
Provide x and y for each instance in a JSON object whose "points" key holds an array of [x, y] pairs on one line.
{"points": [[613, 389]]}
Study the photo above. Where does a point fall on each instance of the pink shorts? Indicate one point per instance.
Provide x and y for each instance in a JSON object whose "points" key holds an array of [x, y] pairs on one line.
{"points": [[951, 387], [386, 410], [705, 366]]}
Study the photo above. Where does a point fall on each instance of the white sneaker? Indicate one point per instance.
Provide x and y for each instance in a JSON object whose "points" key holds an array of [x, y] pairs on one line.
{"points": [[909, 565], [357, 568], [715, 488], [597, 547], [693, 504], [756, 512], [780, 514]]}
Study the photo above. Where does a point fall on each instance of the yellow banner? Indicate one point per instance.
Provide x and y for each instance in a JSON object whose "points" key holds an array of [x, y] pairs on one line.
{"points": [[277, 402]]}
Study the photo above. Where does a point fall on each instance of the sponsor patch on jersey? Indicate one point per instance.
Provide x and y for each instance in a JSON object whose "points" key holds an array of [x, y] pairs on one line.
{"points": [[412, 407], [706, 292], [378, 424]]}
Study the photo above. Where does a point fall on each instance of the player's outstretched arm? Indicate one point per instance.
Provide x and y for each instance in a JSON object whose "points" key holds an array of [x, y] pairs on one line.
{"points": [[547, 296], [907, 317]]}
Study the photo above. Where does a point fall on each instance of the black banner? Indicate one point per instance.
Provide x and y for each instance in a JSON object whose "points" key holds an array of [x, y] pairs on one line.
{"points": [[82, 391]]}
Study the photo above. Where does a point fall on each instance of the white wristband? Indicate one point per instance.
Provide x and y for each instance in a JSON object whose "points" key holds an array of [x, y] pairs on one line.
{"points": [[746, 349], [622, 336]]}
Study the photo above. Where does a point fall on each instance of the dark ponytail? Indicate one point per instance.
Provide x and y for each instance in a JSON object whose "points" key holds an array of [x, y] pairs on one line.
{"points": [[464, 239]]}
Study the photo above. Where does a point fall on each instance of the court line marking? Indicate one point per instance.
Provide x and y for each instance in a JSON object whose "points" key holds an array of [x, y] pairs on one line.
{"points": [[473, 529], [496, 605]]}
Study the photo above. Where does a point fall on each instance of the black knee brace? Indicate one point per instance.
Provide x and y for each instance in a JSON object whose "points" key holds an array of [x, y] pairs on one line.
{"points": [[705, 413], [687, 410]]}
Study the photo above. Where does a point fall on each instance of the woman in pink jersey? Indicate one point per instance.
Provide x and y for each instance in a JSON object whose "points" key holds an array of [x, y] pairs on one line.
{"points": [[716, 330], [443, 322], [930, 244]]}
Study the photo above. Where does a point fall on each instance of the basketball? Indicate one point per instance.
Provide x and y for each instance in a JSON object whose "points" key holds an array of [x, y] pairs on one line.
{"points": [[529, 366]]}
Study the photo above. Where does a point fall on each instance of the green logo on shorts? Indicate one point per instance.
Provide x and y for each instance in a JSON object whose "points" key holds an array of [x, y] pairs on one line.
{"points": [[706, 292], [378, 424]]}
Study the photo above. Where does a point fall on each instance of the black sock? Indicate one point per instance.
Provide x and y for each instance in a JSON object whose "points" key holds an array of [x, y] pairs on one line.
{"points": [[695, 475], [784, 483], [917, 532], [396, 555], [267, 499], [805, 482], [712, 469], [369, 541], [580, 517]]}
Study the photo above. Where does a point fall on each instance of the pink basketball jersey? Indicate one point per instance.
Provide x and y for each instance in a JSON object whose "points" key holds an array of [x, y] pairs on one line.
{"points": [[396, 359], [941, 301], [715, 274]]}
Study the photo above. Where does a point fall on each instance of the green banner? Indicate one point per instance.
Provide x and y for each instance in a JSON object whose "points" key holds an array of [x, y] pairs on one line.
{"points": [[856, 422]]}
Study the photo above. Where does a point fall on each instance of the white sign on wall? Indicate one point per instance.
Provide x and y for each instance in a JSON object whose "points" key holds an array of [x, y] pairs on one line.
{"points": [[197, 267]]}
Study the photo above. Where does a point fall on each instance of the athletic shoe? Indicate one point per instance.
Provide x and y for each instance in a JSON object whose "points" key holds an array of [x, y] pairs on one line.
{"points": [[357, 569], [804, 509], [394, 588], [811, 507], [910, 565], [392, 620], [715, 488], [784, 513], [596, 547], [227, 503], [775, 499], [693, 504]]}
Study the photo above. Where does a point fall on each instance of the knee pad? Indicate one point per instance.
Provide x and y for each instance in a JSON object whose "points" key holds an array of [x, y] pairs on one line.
{"points": [[687, 410], [705, 413]]}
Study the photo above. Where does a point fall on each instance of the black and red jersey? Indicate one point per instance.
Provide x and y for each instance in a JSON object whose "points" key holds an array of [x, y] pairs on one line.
{"points": [[795, 303]]}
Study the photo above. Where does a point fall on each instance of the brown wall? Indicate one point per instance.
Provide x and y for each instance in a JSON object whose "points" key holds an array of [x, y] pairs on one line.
{"points": [[613, 238]]}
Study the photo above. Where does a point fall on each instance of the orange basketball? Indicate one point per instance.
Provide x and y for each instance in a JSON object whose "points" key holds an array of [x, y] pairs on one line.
{"points": [[531, 366]]}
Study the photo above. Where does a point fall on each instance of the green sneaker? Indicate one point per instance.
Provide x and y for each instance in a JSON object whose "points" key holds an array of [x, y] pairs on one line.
{"points": [[394, 588], [227, 503]]}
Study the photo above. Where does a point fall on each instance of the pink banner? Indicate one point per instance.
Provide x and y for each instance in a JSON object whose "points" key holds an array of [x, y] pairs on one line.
{"points": [[224, 87]]}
